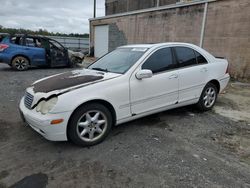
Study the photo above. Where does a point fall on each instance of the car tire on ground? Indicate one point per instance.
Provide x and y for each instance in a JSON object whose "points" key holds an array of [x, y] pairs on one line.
{"points": [[208, 97], [20, 63], [90, 124]]}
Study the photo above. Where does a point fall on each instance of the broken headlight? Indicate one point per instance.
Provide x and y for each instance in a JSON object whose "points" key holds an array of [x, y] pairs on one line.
{"points": [[45, 106]]}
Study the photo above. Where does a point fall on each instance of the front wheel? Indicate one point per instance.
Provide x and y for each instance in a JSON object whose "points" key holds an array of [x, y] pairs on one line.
{"points": [[90, 124], [208, 97], [20, 63]]}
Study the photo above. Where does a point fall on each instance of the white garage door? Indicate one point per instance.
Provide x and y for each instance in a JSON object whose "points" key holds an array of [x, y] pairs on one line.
{"points": [[101, 40]]}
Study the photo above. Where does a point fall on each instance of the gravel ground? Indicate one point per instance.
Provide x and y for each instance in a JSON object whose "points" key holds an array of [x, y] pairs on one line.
{"points": [[176, 148]]}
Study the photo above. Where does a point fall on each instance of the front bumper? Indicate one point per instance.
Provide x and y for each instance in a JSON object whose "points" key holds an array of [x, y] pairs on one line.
{"points": [[41, 123]]}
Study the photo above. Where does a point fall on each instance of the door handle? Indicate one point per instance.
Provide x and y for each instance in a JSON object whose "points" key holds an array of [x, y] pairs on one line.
{"points": [[204, 69], [173, 76]]}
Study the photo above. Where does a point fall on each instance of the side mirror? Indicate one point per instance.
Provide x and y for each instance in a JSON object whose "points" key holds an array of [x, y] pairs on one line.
{"points": [[145, 73]]}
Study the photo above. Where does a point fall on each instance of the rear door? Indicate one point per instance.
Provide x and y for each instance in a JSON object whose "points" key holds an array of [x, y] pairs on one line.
{"points": [[161, 89], [34, 52], [193, 73]]}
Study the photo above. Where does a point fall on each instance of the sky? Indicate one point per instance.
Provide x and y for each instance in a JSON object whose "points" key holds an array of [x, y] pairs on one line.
{"points": [[65, 16]]}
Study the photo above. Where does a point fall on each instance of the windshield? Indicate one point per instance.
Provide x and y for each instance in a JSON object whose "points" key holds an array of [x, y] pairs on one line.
{"points": [[119, 60]]}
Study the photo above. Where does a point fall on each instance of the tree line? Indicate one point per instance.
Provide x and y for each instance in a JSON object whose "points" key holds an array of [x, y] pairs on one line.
{"points": [[13, 31]]}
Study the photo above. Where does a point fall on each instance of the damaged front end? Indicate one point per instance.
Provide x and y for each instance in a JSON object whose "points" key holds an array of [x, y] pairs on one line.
{"points": [[76, 57], [44, 92]]}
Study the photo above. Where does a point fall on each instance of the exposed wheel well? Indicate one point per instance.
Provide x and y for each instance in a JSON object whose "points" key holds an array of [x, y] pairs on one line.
{"points": [[216, 83], [21, 56], [104, 103]]}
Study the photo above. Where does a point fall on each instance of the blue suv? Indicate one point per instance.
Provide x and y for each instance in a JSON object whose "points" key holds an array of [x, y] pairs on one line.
{"points": [[24, 51]]}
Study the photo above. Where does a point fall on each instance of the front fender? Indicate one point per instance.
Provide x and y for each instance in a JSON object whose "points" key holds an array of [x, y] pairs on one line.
{"points": [[66, 102]]}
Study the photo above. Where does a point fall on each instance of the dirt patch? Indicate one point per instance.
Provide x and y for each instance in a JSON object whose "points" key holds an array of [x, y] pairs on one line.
{"points": [[238, 141], [234, 102], [4, 126], [3, 174]]}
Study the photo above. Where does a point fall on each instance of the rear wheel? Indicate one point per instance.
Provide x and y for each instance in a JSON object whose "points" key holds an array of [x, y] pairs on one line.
{"points": [[20, 63], [90, 124], [208, 97]]}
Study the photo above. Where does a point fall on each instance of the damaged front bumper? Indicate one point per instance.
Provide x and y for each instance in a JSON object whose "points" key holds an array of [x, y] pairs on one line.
{"points": [[42, 123]]}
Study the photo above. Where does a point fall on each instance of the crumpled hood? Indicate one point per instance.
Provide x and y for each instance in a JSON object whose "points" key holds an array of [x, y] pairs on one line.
{"points": [[70, 80]]}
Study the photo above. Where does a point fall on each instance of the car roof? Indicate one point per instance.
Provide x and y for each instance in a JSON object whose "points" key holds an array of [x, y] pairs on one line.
{"points": [[28, 35], [170, 44], [154, 45]]}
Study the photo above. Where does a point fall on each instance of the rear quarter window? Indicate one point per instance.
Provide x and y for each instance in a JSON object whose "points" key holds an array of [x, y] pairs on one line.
{"points": [[2, 37], [200, 58]]}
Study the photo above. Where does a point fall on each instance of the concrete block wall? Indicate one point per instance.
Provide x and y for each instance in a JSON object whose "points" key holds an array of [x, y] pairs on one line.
{"points": [[227, 34], [227, 30], [121, 6]]}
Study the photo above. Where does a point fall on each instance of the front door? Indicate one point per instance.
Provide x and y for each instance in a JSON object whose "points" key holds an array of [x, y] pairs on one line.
{"points": [[161, 89], [58, 54]]}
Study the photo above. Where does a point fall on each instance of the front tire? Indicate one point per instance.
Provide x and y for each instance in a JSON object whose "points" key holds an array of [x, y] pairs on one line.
{"points": [[208, 97], [90, 124], [20, 63]]}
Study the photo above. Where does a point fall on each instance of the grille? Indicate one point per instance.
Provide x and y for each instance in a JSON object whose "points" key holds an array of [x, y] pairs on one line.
{"points": [[28, 100]]}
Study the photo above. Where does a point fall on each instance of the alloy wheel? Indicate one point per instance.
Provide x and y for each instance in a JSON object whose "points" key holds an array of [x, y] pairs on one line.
{"points": [[209, 97], [20, 63], [91, 125]]}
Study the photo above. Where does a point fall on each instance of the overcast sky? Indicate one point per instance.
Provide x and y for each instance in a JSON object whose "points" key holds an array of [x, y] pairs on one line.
{"points": [[66, 16]]}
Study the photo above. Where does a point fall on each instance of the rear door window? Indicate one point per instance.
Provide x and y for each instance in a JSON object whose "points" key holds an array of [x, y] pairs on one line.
{"points": [[30, 42], [185, 56], [159, 61], [17, 40]]}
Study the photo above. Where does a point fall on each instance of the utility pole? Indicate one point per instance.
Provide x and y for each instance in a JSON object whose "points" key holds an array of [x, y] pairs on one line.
{"points": [[94, 8]]}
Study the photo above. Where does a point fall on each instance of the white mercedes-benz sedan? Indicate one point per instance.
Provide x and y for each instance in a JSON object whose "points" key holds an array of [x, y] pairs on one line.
{"points": [[128, 83]]}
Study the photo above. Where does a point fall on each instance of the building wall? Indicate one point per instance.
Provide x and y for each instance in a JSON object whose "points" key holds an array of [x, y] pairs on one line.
{"points": [[228, 34], [120, 6], [227, 30]]}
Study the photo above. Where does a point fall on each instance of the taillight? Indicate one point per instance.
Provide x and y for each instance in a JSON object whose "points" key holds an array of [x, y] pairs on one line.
{"points": [[3, 47]]}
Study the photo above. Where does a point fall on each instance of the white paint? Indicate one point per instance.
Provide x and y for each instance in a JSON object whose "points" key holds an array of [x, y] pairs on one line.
{"points": [[127, 94], [101, 39]]}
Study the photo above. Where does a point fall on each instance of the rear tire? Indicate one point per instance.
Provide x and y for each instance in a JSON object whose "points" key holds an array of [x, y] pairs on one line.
{"points": [[20, 63], [90, 124], [208, 97]]}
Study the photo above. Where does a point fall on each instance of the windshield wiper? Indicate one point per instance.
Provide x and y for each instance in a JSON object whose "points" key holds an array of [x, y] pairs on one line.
{"points": [[100, 69]]}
